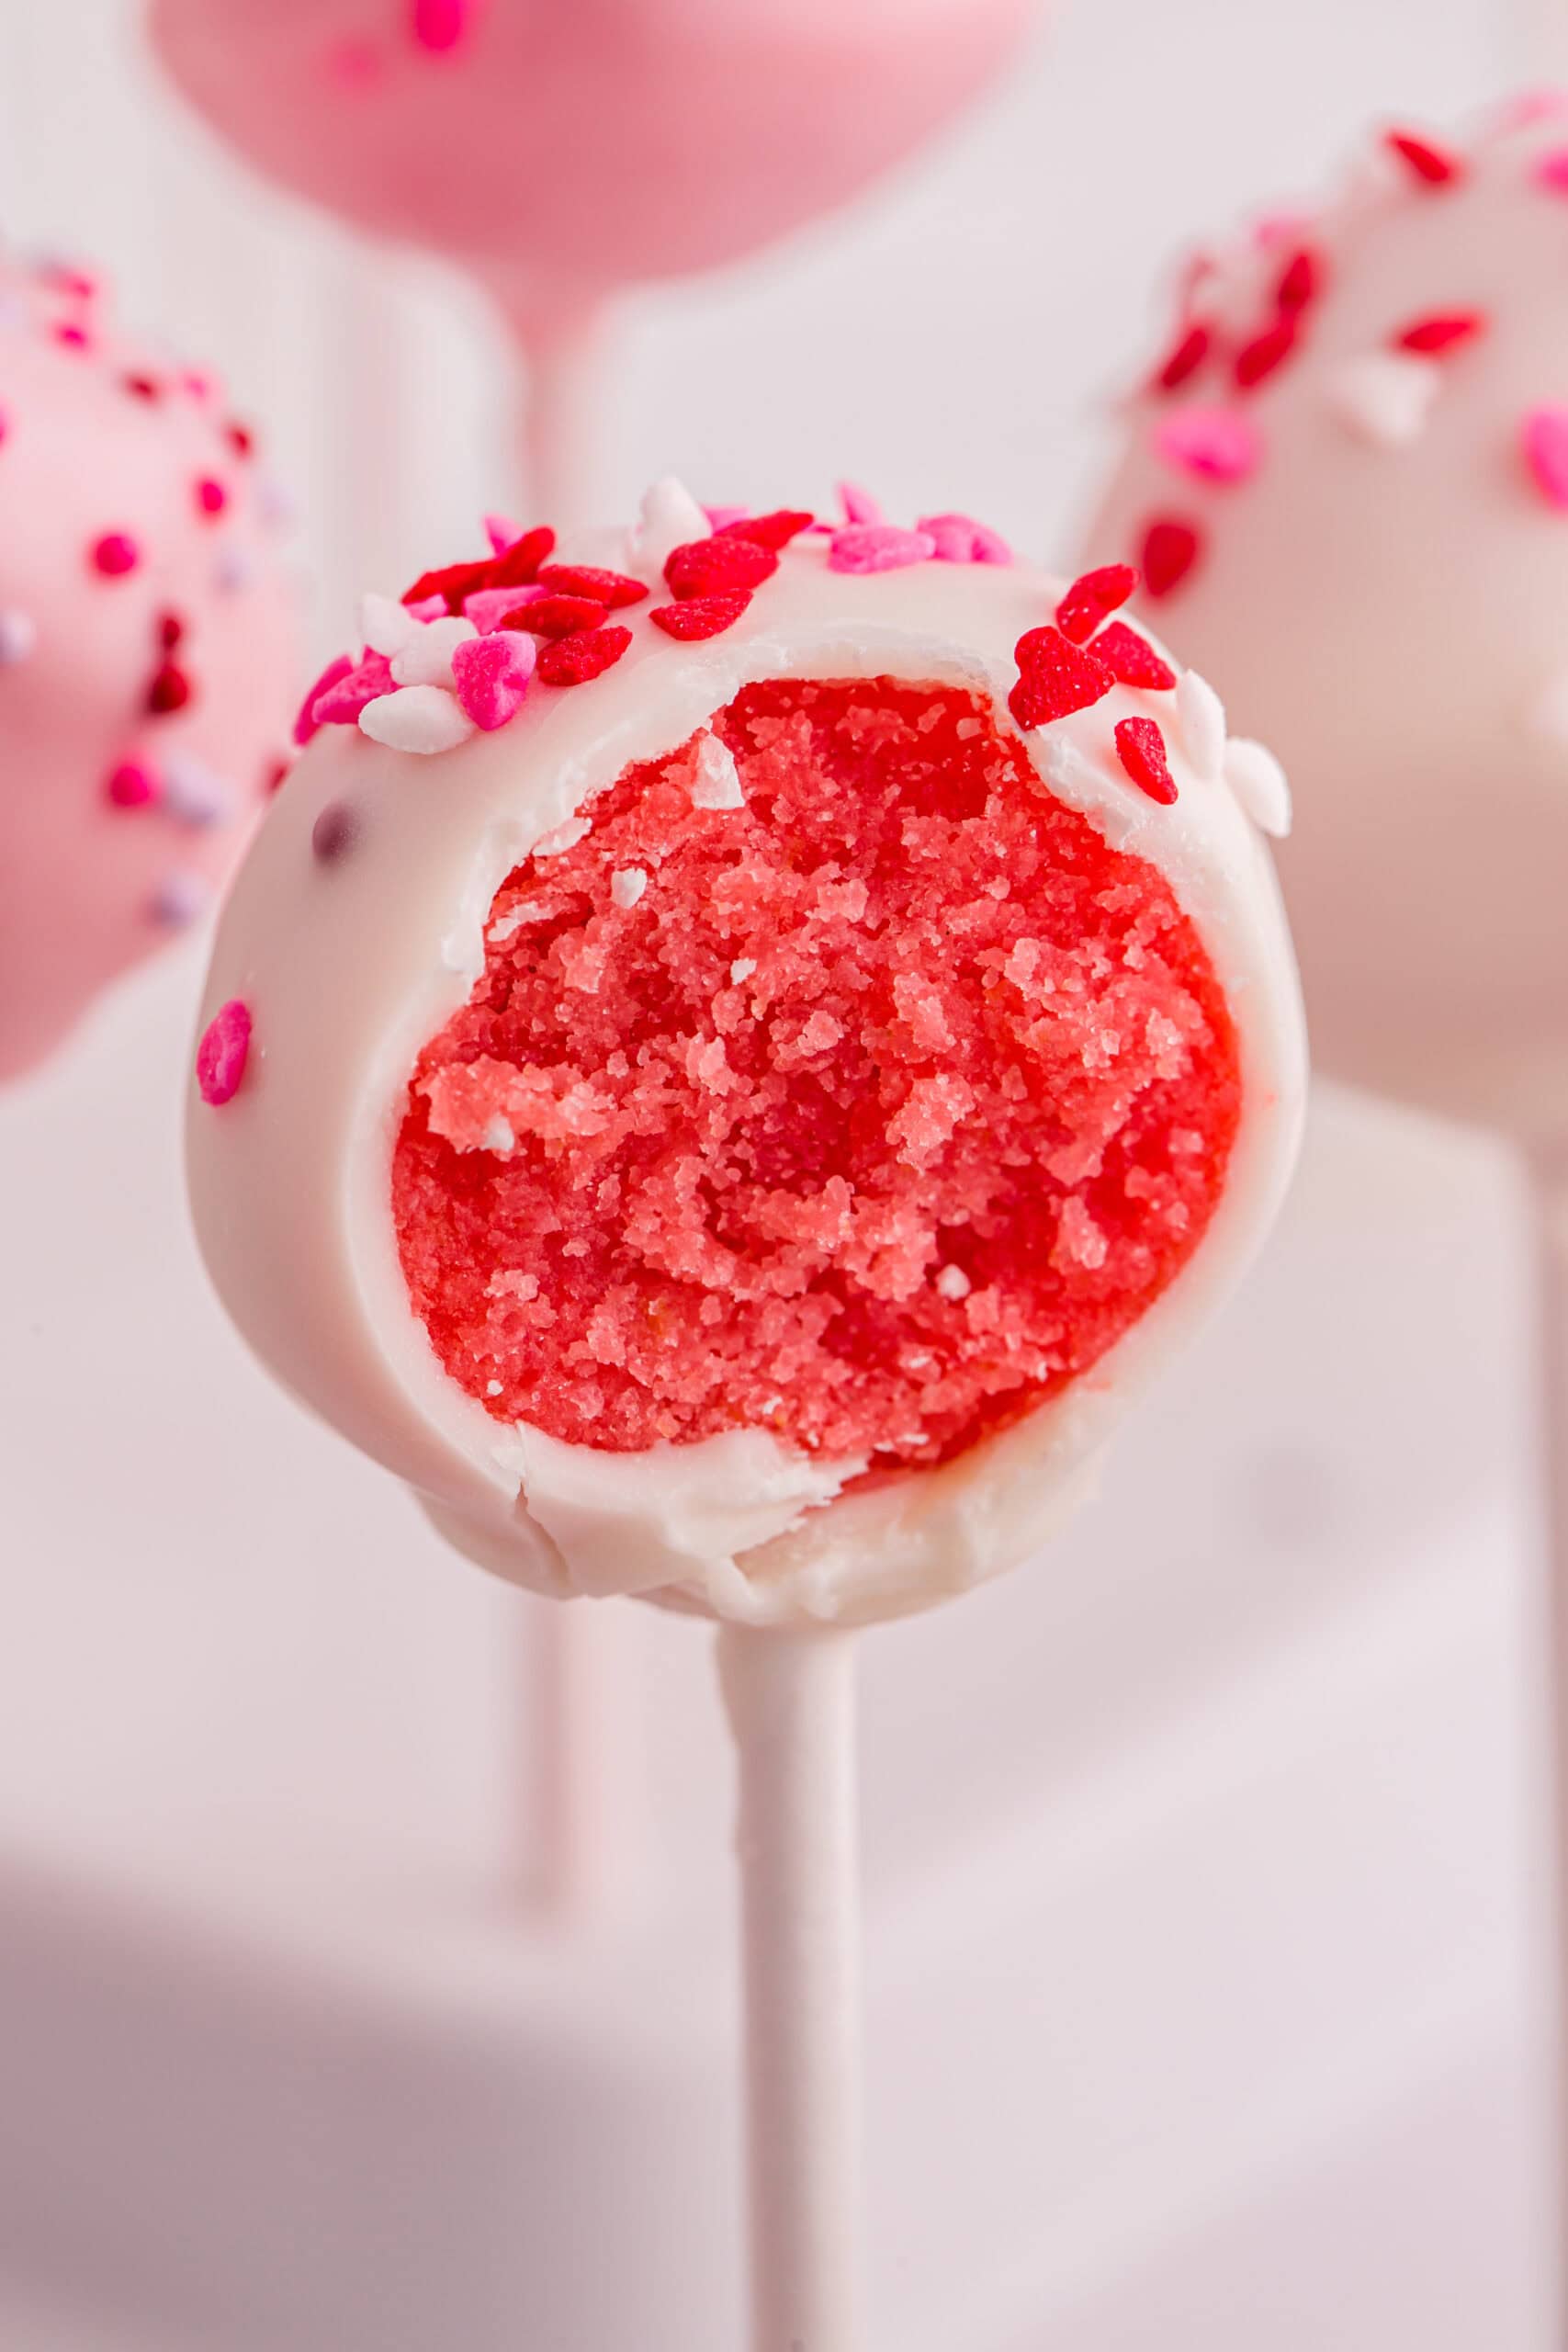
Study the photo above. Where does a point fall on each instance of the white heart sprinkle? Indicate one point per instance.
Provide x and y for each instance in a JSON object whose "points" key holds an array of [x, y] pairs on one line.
{"points": [[1200, 716], [425, 658], [953, 1282], [416, 718], [627, 887], [1386, 397], [1257, 780], [385, 626], [742, 969], [670, 518]]}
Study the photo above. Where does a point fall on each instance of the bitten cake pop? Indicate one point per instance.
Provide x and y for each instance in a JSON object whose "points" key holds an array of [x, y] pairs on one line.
{"points": [[734, 1057], [1347, 480], [564, 152], [148, 645]]}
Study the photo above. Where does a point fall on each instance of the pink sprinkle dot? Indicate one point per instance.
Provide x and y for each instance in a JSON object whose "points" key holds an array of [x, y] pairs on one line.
{"points": [[223, 1052], [442, 25], [1214, 443], [1545, 444], [878, 547], [130, 785], [211, 497], [74, 338], [1551, 171], [116, 553]]}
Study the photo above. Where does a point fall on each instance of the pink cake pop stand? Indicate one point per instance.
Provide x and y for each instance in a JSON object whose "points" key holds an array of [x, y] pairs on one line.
{"points": [[148, 651], [561, 152]]}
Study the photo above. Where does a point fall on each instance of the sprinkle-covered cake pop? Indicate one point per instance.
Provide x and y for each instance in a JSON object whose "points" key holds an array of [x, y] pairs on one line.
{"points": [[732, 1059], [1346, 479], [148, 652]]}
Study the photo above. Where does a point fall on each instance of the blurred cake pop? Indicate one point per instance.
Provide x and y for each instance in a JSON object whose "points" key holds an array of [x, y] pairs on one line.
{"points": [[148, 646], [713, 1047], [562, 153], [1347, 479]]}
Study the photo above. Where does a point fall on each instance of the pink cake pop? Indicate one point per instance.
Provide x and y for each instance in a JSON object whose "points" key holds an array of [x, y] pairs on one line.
{"points": [[730, 1063], [561, 152], [147, 651]]}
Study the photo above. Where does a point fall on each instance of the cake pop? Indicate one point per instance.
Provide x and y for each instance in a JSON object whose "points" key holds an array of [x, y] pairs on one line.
{"points": [[147, 650], [1347, 479], [734, 1057], [561, 154]]}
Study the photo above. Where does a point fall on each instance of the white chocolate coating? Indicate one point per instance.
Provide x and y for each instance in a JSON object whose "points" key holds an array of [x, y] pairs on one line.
{"points": [[1384, 601], [348, 967]]}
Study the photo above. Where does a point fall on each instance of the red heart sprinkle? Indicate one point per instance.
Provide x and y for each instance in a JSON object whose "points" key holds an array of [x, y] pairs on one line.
{"points": [[774, 530], [1434, 165], [1131, 659], [718, 566], [1186, 356], [170, 690], [453, 580], [1140, 747], [1055, 678], [1441, 331], [1260, 358], [1301, 281], [571, 661], [1091, 597], [700, 616], [1171, 548], [518, 565], [556, 616], [611, 589]]}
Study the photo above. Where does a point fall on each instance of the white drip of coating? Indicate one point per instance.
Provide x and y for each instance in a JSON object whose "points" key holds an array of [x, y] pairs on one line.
{"points": [[790, 1697]]}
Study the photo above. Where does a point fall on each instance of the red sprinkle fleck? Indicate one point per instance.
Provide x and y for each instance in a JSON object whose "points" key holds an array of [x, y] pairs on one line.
{"points": [[144, 388], [1433, 165], [74, 338], [453, 580], [1186, 356], [274, 776], [773, 530], [1260, 358], [211, 497], [223, 1052], [700, 616], [131, 784], [171, 628], [170, 690], [1441, 331], [1131, 659], [240, 437], [1093, 597], [714, 566], [1056, 677], [1140, 747], [571, 661], [556, 616], [115, 554], [611, 589], [1301, 282], [518, 565], [1171, 548]]}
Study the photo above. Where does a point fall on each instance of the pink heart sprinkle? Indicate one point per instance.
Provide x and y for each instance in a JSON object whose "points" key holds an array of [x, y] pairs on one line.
{"points": [[959, 539], [429, 608], [501, 534], [307, 723], [1215, 444], [491, 675], [858, 504], [1545, 441], [346, 697], [719, 518], [878, 547], [1551, 171], [488, 607], [223, 1052]]}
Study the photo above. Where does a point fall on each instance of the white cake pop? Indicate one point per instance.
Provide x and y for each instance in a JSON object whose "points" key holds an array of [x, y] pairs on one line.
{"points": [[148, 648], [732, 1101], [1348, 482]]}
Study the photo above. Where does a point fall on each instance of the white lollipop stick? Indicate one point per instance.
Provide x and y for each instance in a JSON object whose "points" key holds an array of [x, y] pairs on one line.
{"points": [[791, 1701], [1549, 1181], [562, 347]]}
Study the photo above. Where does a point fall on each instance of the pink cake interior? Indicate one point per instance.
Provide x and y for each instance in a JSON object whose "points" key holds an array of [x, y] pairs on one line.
{"points": [[867, 1112]]}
